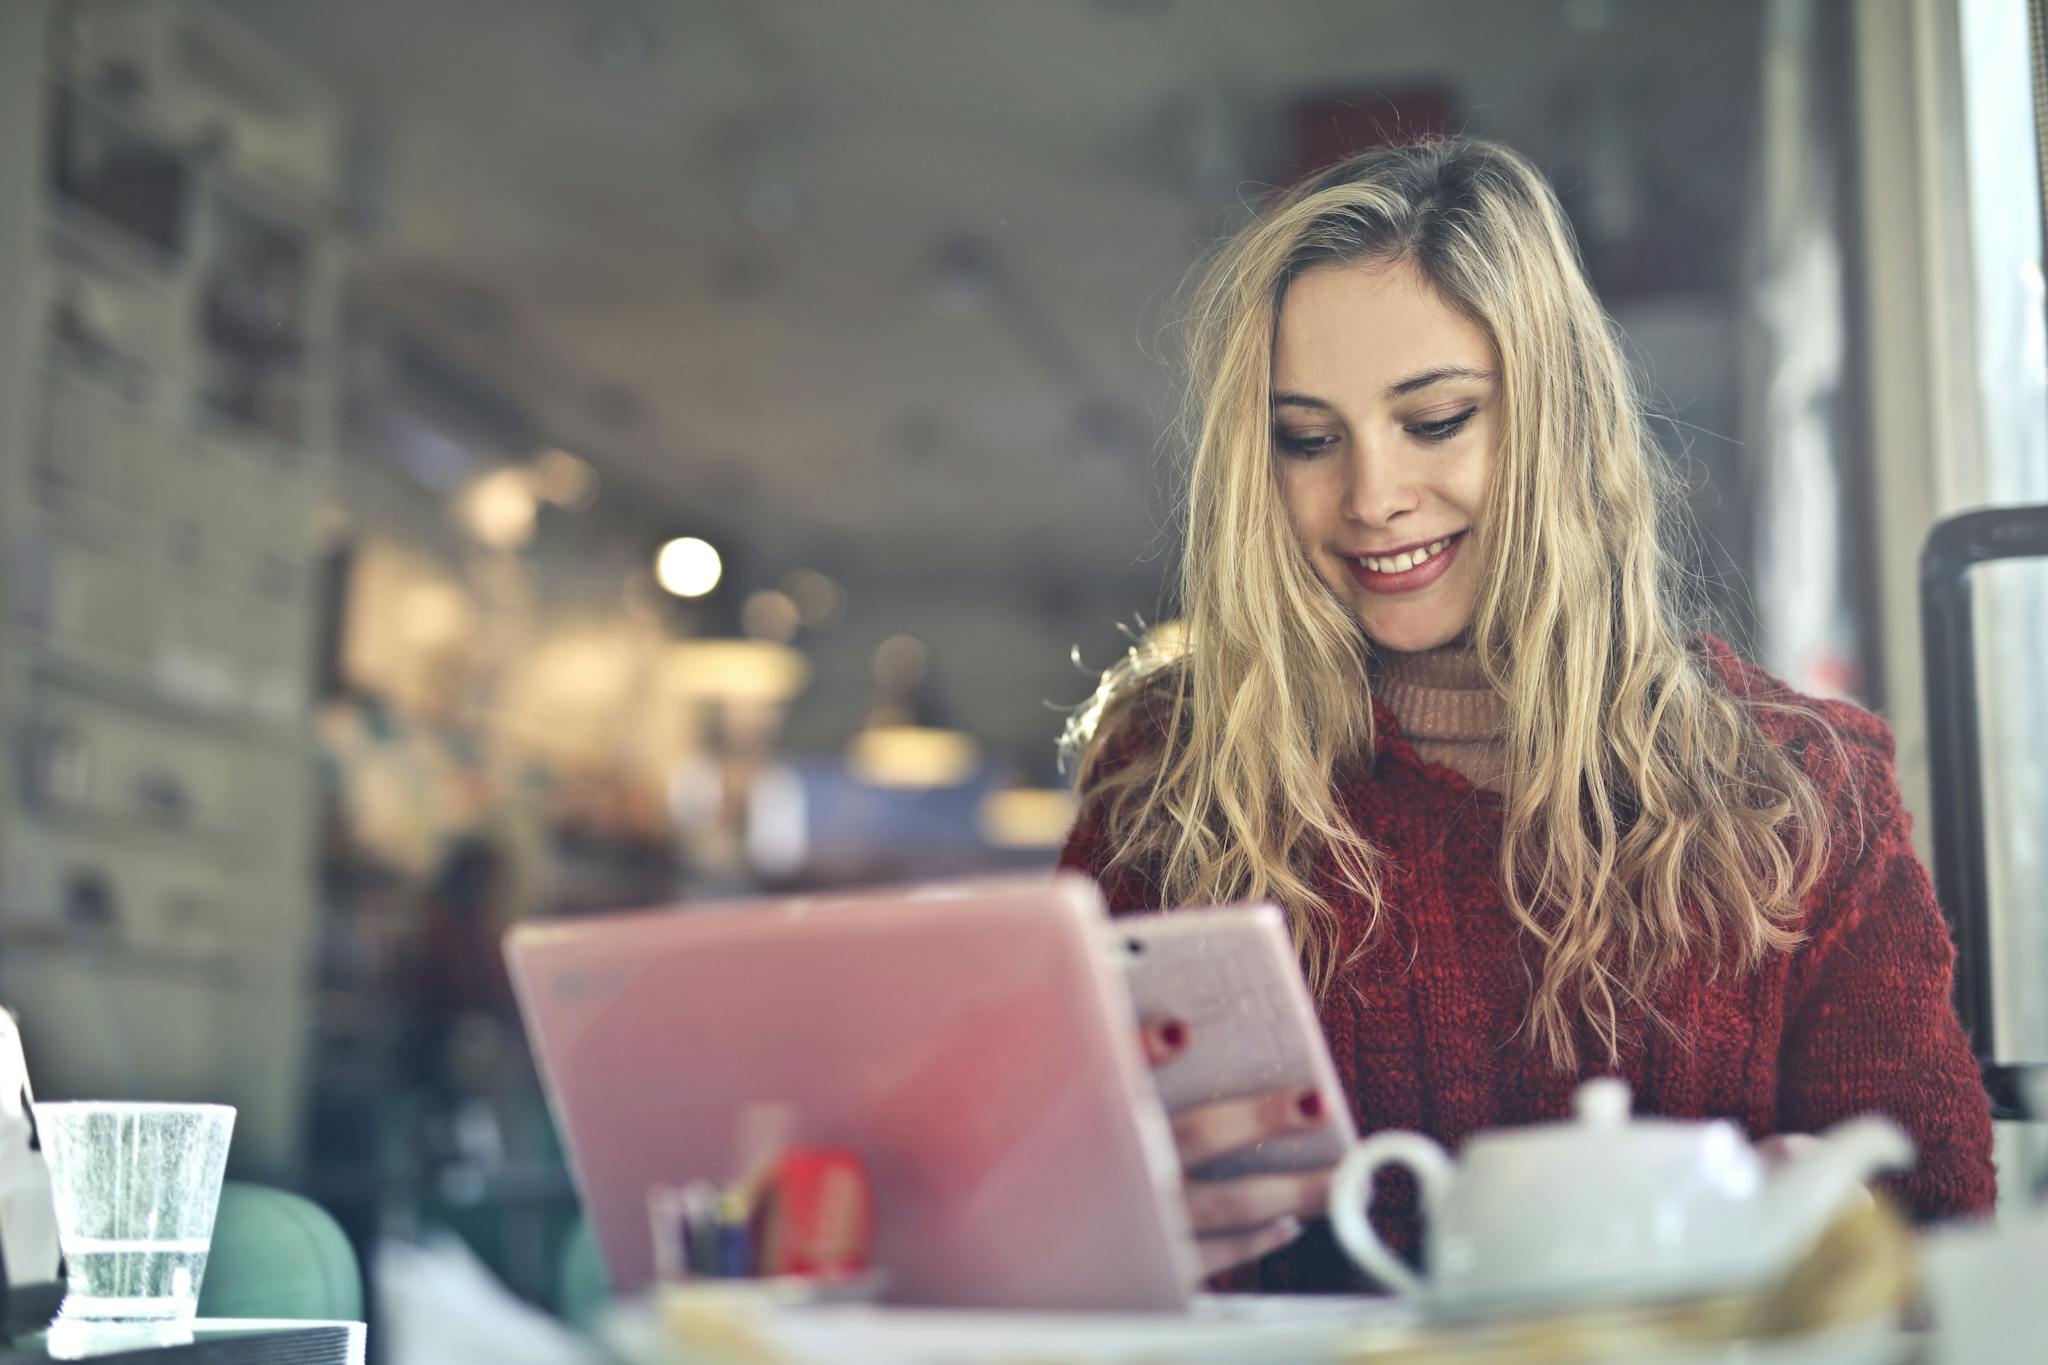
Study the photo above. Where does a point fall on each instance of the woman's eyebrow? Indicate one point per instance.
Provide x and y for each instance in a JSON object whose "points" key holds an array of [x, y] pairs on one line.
{"points": [[1303, 400], [1402, 388]]}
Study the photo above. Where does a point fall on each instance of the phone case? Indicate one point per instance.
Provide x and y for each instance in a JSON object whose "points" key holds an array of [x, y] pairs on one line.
{"points": [[1231, 975]]}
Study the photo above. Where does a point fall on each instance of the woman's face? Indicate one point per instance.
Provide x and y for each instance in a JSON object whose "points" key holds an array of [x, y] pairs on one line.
{"points": [[1385, 421]]}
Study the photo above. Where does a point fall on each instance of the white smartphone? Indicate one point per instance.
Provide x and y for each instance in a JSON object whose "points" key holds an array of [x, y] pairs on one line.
{"points": [[1231, 976]]}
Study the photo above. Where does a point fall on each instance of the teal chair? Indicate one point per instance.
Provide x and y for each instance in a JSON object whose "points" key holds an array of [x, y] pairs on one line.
{"points": [[582, 1289], [276, 1255]]}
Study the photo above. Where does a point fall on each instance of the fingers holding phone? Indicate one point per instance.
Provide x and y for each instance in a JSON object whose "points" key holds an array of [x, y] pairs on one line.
{"points": [[1241, 1218], [1230, 1029], [1163, 1038], [1226, 1251], [1208, 1132]]}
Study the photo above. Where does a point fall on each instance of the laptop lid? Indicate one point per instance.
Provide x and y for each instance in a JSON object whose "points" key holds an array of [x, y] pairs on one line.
{"points": [[973, 1042]]}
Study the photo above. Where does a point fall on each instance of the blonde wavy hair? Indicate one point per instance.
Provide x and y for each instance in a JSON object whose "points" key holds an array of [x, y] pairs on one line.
{"points": [[1646, 817]]}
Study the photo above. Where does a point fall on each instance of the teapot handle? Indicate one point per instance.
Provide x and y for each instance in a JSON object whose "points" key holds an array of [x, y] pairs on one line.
{"points": [[1351, 1199]]}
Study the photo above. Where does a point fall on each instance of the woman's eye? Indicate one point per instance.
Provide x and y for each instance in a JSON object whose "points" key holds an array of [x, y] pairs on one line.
{"points": [[1445, 429], [1302, 447]]}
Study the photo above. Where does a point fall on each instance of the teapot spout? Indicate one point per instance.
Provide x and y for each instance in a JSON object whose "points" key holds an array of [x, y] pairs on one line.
{"points": [[1806, 1194]]}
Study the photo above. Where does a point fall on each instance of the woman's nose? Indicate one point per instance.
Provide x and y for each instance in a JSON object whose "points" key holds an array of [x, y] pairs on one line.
{"points": [[1378, 489]]}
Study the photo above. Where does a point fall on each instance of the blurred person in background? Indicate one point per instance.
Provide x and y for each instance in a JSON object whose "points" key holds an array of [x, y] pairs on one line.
{"points": [[465, 1045], [1436, 698]]}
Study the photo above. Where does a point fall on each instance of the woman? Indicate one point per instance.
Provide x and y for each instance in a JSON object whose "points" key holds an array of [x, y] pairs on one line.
{"points": [[1433, 697]]}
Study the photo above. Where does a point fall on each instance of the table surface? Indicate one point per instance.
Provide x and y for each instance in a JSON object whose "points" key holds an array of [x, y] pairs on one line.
{"points": [[215, 1341], [1271, 1331]]}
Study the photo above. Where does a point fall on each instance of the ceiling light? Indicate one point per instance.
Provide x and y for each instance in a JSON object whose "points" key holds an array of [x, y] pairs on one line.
{"points": [[771, 615], [688, 567], [912, 757], [901, 662], [498, 508], [734, 671], [564, 479], [432, 614], [1027, 817], [817, 597]]}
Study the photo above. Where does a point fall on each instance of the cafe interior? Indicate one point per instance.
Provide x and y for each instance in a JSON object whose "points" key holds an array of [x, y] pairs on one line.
{"points": [[468, 465]]}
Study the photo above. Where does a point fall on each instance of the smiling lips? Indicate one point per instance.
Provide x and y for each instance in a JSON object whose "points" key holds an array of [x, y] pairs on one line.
{"points": [[1407, 570]]}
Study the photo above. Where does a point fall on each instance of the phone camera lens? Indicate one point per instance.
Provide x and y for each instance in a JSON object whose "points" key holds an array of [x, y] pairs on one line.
{"points": [[1135, 945]]}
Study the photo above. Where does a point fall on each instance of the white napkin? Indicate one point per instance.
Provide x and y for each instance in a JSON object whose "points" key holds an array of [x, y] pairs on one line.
{"points": [[28, 1216], [439, 1305]]}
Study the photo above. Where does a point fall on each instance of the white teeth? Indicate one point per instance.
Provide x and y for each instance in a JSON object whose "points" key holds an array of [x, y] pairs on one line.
{"points": [[1405, 561]]}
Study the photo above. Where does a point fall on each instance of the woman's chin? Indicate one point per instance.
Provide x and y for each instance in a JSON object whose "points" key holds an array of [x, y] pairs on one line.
{"points": [[1413, 637]]}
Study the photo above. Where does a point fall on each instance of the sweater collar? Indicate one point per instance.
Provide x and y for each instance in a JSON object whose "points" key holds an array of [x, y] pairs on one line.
{"points": [[1441, 694]]}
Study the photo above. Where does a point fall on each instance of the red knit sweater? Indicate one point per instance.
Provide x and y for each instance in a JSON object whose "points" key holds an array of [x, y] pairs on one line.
{"points": [[1857, 1018]]}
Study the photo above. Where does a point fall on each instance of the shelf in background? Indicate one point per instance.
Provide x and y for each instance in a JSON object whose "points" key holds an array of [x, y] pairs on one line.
{"points": [[79, 228], [29, 937], [129, 687], [220, 847]]}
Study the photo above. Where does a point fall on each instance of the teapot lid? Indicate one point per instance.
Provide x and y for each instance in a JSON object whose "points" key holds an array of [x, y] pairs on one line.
{"points": [[1602, 1125], [1602, 1102]]}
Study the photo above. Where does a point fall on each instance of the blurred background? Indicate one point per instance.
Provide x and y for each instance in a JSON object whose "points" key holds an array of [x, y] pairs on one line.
{"points": [[463, 461]]}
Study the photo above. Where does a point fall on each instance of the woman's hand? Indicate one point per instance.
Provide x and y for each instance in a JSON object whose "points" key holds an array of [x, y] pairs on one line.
{"points": [[1245, 1217], [1782, 1149], [1779, 1149]]}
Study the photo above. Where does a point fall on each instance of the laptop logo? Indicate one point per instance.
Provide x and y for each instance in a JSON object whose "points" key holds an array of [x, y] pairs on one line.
{"points": [[580, 987]]}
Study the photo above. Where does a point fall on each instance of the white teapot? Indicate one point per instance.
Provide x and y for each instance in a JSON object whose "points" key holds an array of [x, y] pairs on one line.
{"points": [[1604, 1209]]}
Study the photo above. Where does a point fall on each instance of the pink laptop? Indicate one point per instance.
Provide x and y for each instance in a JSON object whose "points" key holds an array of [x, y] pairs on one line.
{"points": [[973, 1042]]}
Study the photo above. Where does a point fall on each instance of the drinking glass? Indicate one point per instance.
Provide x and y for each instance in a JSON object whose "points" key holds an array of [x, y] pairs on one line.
{"points": [[136, 1187]]}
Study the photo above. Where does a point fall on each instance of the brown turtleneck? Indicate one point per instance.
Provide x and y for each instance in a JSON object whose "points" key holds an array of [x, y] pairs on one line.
{"points": [[1447, 710]]}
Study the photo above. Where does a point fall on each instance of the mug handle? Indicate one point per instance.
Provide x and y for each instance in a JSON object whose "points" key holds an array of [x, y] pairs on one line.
{"points": [[1351, 1196]]}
